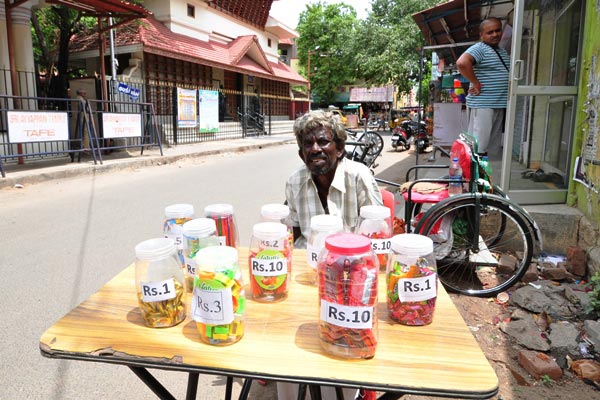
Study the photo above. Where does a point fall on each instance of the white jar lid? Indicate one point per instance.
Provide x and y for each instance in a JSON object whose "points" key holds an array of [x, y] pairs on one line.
{"points": [[326, 222], [375, 212], [218, 209], [179, 211], [217, 257], [275, 211], [199, 227], [412, 244], [154, 249], [269, 231]]}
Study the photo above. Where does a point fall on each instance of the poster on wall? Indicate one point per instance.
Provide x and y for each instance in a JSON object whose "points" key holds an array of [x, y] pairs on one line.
{"points": [[36, 126], [209, 111], [120, 125], [186, 108]]}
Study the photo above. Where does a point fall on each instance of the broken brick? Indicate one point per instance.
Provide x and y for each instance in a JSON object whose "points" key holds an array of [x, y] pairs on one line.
{"points": [[539, 364]]}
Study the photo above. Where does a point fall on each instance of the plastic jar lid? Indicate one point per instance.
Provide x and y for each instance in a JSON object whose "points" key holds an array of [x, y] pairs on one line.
{"points": [[348, 243], [179, 211], [154, 249], [200, 227], [269, 231], [326, 222], [275, 211], [218, 209], [217, 257], [412, 244], [375, 212]]}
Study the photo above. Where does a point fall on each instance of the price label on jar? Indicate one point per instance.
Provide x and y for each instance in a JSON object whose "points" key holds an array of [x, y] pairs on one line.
{"points": [[271, 266], [222, 240], [190, 266], [212, 306], [381, 246], [175, 232], [347, 316], [312, 255], [417, 289], [158, 291], [273, 244]]}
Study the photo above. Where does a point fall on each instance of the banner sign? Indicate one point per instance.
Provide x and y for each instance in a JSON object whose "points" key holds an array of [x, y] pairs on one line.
{"points": [[119, 125], [186, 108], [37, 126], [134, 94], [209, 111]]}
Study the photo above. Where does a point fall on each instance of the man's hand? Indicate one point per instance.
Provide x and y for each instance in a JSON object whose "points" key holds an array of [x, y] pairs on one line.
{"points": [[475, 89]]}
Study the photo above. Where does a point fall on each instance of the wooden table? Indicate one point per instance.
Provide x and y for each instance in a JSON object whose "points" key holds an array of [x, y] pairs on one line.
{"points": [[280, 343]]}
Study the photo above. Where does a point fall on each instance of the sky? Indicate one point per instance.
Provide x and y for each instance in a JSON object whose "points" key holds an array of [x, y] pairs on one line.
{"points": [[288, 11]]}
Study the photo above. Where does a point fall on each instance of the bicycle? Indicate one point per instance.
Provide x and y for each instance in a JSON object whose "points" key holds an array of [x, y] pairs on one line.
{"points": [[365, 147], [483, 242]]}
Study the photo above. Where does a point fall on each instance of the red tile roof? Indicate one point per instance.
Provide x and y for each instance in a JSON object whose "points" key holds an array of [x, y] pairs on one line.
{"points": [[243, 54]]}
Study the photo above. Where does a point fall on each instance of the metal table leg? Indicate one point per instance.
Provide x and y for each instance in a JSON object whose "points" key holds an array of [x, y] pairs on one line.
{"points": [[152, 383], [192, 387]]}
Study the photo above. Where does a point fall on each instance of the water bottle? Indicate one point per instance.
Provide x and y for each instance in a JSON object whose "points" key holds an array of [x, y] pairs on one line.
{"points": [[455, 172]]}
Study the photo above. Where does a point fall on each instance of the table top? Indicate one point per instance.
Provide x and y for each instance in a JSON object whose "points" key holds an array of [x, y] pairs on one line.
{"points": [[280, 342]]}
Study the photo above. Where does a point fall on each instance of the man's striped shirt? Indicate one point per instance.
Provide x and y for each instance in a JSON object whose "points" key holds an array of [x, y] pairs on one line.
{"points": [[492, 75]]}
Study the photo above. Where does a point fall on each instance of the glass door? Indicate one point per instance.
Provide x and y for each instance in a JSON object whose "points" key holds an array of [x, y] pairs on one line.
{"points": [[543, 93]]}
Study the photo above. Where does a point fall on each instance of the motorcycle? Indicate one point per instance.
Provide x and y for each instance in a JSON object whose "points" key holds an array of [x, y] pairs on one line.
{"points": [[400, 139], [407, 132]]}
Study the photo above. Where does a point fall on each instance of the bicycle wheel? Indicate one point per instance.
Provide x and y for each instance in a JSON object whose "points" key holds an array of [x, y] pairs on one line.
{"points": [[375, 147], [483, 246]]}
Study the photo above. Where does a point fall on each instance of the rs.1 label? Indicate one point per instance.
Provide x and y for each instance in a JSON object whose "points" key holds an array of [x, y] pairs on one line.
{"points": [[417, 289], [158, 291]]}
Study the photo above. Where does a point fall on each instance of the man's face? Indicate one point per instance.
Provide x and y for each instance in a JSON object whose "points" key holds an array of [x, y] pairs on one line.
{"points": [[319, 152], [491, 33]]}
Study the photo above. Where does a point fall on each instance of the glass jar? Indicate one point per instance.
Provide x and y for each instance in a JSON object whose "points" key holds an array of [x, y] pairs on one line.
{"points": [[411, 280], [226, 224], [175, 216], [375, 222], [321, 226], [269, 262], [219, 301], [278, 213], [197, 234], [348, 271], [159, 281]]}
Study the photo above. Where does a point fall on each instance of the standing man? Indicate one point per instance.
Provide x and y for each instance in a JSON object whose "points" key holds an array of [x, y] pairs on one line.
{"points": [[486, 66]]}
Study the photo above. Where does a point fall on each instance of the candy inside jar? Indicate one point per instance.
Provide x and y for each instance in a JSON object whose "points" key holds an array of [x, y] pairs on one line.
{"points": [[159, 283], [411, 280], [270, 261], [348, 269], [197, 234], [218, 301], [375, 222]]}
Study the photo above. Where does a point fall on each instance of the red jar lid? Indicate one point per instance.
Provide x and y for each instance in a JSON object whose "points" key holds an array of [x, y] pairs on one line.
{"points": [[348, 243]]}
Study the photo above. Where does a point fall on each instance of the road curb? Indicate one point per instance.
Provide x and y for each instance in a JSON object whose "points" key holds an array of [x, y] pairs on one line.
{"points": [[71, 170]]}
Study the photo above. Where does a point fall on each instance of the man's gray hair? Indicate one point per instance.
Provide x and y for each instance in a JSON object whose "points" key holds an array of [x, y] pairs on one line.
{"points": [[313, 120]]}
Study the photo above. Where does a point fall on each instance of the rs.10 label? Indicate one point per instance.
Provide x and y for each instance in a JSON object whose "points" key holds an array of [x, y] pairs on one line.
{"points": [[347, 316]]}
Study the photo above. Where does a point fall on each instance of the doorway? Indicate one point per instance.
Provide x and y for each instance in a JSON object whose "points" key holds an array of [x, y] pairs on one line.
{"points": [[540, 116]]}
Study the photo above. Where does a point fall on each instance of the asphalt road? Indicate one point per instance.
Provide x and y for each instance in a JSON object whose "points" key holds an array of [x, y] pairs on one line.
{"points": [[62, 240]]}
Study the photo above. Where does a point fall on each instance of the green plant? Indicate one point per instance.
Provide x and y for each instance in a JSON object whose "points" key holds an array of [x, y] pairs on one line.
{"points": [[594, 293], [546, 380]]}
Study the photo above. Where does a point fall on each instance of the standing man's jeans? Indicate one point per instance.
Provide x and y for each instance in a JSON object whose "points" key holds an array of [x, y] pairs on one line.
{"points": [[487, 125]]}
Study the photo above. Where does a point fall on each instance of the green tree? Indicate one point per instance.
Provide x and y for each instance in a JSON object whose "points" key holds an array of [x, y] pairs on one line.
{"points": [[388, 42], [53, 28], [327, 31]]}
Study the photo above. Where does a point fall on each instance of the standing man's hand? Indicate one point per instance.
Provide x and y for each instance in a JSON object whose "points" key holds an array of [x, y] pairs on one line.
{"points": [[475, 90]]}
